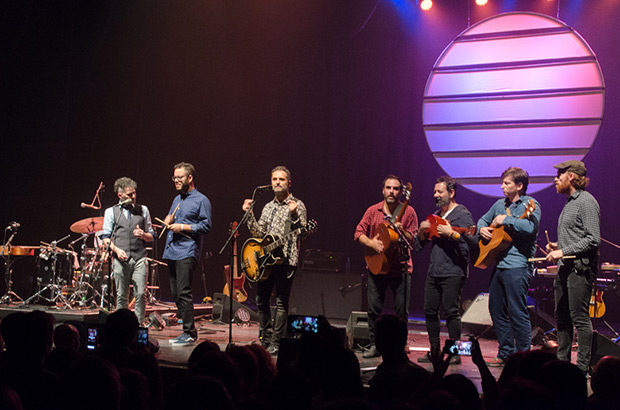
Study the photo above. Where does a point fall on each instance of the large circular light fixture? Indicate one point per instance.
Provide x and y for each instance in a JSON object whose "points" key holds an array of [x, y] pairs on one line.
{"points": [[516, 89]]}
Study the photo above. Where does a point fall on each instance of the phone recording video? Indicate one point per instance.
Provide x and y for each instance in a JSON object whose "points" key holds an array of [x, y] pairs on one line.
{"points": [[143, 336], [298, 324], [457, 347], [91, 341]]}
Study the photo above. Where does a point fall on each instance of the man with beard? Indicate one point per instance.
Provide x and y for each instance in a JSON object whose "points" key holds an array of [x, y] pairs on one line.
{"points": [[279, 217], [512, 273], [579, 236], [398, 277], [449, 264], [188, 220], [127, 228]]}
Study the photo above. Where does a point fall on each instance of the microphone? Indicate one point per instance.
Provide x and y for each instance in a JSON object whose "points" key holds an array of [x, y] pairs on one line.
{"points": [[85, 205], [125, 202], [263, 187], [13, 225]]}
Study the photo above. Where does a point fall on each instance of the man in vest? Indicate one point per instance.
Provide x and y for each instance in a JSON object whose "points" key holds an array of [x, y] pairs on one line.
{"points": [[127, 229]]}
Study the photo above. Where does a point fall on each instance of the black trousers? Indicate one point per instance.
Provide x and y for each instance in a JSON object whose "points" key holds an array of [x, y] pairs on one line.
{"points": [[280, 277], [442, 291], [181, 275], [377, 288]]}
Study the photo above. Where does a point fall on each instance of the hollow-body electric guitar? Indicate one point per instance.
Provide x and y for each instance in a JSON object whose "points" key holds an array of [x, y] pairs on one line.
{"points": [[259, 255]]}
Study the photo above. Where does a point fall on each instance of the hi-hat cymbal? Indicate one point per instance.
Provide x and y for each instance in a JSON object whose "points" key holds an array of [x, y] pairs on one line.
{"points": [[87, 225]]}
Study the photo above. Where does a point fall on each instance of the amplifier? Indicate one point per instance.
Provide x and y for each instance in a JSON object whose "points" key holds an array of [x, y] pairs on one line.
{"points": [[326, 261]]}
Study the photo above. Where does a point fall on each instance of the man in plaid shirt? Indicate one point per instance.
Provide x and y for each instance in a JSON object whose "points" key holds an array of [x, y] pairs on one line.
{"points": [[579, 236]]}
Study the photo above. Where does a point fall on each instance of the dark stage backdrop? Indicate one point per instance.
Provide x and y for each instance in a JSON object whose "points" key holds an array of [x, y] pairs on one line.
{"points": [[94, 90]]}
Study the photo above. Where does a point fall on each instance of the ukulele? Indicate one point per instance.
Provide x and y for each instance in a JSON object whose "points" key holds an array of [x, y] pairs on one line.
{"points": [[379, 263], [238, 280], [499, 242], [436, 220]]}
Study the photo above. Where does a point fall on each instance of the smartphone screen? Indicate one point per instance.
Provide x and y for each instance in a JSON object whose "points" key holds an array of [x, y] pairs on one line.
{"points": [[91, 341], [459, 347], [143, 336], [303, 324]]}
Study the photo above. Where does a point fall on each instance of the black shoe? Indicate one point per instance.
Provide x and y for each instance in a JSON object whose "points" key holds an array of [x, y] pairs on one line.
{"points": [[273, 349], [371, 352], [424, 359]]}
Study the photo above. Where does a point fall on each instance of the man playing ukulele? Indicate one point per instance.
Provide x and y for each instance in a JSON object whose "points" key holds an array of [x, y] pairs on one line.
{"points": [[449, 264]]}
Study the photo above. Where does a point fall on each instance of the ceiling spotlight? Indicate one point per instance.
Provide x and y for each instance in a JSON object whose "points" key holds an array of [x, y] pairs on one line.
{"points": [[426, 4], [482, 2]]}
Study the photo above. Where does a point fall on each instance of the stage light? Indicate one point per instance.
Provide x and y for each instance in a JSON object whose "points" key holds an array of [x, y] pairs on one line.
{"points": [[482, 2], [426, 5]]}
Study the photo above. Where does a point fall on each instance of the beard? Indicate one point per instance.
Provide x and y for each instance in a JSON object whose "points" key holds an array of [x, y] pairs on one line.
{"points": [[441, 202], [563, 187]]}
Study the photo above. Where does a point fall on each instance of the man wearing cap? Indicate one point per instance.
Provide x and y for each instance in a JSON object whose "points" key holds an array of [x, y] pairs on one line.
{"points": [[579, 237]]}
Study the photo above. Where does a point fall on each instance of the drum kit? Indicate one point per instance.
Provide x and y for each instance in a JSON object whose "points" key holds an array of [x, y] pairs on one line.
{"points": [[75, 276]]}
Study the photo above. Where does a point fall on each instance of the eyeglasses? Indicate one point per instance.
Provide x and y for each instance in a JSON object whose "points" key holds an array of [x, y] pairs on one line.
{"points": [[175, 178]]}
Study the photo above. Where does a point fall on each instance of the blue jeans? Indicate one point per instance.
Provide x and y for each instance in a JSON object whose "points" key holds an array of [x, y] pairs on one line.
{"points": [[508, 308]]}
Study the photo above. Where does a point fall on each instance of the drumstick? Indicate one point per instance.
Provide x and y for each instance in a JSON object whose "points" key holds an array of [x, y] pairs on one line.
{"points": [[544, 259], [165, 224], [547, 235], [168, 226]]}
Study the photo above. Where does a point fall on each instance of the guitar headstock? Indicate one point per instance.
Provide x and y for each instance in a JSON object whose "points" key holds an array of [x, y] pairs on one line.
{"points": [[529, 208], [310, 226], [233, 227], [407, 191]]}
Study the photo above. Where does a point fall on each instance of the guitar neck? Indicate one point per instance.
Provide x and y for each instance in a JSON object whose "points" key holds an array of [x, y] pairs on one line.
{"points": [[279, 242]]}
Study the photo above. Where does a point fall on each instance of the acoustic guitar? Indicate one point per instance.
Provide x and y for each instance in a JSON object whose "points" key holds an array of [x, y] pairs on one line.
{"points": [[379, 263], [597, 306], [499, 242], [259, 255], [238, 280], [436, 220]]}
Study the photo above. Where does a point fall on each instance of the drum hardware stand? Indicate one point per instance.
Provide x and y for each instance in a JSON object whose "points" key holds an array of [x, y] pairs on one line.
{"points": [[81, 290], [150, 295], [9, 296], [56, 295]]}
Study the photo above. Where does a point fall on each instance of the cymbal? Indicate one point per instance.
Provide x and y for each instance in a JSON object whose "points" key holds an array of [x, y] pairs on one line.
{"points": [[87, 225]]}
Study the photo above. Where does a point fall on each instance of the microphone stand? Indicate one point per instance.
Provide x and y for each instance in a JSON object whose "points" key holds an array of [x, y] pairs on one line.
{"points": [[8, 271], [230, 241], [105, 287], [405, 247]]}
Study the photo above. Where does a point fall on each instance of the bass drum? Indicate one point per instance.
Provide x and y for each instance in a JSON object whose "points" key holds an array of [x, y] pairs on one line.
{"points": [[55, 268]]}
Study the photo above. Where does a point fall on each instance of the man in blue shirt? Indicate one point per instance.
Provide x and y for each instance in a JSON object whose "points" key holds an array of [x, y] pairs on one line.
{"points": [[188, 220], [511, 277]]}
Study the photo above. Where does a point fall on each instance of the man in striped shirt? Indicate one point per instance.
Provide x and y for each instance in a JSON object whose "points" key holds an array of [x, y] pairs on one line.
{"points": [[579, 236]]}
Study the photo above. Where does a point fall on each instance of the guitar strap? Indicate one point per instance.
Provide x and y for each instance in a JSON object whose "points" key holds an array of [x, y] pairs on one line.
{"points": [[508, 211]]}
